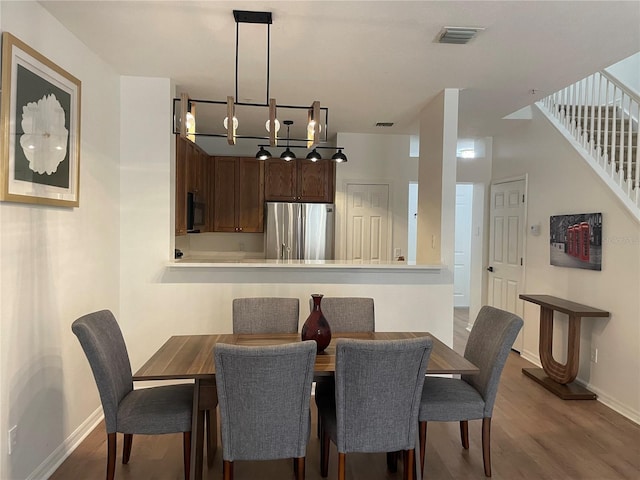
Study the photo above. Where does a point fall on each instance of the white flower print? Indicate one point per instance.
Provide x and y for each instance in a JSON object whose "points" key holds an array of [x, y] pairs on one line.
{"points": [[44, 141]]}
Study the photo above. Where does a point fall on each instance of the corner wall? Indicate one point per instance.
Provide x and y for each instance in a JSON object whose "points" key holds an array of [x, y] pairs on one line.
{"points": [[376, 159], [560, 182], [56, 265]]}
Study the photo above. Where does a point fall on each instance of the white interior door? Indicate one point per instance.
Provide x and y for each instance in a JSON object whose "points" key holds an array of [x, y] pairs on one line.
{"points": [[367, 222], [506, 248], [462, 250]]}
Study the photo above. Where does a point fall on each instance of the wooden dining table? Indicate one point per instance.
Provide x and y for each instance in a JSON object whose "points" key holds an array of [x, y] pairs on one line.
{"points": [[191, 357]]}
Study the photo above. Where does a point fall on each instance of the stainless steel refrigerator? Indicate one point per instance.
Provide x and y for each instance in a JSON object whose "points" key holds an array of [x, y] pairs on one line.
{"points": [[299, 231]]}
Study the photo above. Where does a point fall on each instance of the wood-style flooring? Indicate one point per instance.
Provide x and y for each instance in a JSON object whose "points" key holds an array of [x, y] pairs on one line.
{"points": [[535, 435]]}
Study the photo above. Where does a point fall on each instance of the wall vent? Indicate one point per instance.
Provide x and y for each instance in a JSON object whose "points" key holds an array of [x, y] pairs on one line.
{"points": [[384, 124], [458, 35]]}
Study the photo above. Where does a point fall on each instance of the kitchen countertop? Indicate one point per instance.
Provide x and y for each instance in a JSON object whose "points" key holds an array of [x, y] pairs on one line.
{"points": [[208, 262]]}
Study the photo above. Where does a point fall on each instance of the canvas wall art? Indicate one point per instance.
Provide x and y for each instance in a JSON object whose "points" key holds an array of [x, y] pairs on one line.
{"points": [[576, 240]]}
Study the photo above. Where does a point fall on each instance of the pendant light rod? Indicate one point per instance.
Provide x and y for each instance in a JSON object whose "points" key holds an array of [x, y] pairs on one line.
{"points": [[264, 18]]}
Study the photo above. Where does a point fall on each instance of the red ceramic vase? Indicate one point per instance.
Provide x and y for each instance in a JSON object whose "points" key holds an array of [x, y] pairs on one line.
{"points": [[316, 326]]}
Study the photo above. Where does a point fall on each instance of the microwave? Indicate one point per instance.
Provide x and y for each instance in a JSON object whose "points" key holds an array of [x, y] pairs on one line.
{"points": [[195, 213]]}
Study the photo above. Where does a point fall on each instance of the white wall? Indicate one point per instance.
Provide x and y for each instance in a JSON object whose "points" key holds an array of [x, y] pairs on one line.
{"points": [[628, 72], [560, 182], [57, 264], [437, 179], [376, 159]]}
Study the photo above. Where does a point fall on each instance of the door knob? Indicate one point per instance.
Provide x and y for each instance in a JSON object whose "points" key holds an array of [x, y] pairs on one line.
{"points": [[489, 269]]}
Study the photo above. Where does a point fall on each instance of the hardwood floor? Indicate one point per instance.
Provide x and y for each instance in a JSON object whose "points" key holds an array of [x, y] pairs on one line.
{"points": [[535, 435]]}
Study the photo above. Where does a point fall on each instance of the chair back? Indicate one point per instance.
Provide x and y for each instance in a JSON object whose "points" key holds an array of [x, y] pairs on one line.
{"points": [[378, 391], [103, 344], [348, 314], [265, 315], [488, 346], [264, 394]]}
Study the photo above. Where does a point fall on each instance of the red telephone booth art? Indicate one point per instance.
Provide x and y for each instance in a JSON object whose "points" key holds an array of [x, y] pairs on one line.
{"points": [[585, 241]]}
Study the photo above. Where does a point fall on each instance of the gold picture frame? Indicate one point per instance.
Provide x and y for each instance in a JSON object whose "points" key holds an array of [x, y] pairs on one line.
{"points": [[40, 128]]}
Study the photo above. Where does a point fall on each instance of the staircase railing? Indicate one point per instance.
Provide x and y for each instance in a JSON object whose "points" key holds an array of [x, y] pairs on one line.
{"points": [[599, 115]]}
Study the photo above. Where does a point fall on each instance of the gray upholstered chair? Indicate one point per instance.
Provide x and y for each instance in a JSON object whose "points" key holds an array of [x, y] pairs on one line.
{"points": [[348, 314], [344, 314], [375, 408], [265, 315], [263, 393], [148, 411], [472, 396]]}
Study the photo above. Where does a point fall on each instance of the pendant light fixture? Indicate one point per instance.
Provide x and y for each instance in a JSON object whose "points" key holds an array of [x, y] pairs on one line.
{"points": [[314, 156], [263, 154], [288, 155], [339, 157], [317, 121]]}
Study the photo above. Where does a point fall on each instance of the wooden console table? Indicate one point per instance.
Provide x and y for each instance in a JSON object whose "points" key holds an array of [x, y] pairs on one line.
{"points": [[559, 377]]}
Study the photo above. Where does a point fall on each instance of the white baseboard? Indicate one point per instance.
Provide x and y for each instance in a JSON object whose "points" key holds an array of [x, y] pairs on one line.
{"points": [[603, 398], [60, 454]]}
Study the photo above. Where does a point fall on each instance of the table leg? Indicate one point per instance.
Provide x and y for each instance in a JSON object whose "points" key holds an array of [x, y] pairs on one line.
{"points": [[555, 376], [197, 433], [558, 372]]}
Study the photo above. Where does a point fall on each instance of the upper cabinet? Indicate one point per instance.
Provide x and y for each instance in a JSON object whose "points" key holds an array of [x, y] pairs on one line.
{"points": [[193, 174], [299, 180], [238, 193], [181, 186], [199, 172]]}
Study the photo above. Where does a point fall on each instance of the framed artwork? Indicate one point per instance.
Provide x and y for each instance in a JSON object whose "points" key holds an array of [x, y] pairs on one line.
{"points": [[576, 240], [40, 125]]}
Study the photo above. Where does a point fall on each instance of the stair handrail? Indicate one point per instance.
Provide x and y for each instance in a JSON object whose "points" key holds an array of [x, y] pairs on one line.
{"points": [[620, 85], [599, 116]]}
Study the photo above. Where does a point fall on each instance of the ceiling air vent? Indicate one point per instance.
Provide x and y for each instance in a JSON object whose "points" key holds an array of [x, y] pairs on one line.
{"points": [[384, 124], [459, 35]]}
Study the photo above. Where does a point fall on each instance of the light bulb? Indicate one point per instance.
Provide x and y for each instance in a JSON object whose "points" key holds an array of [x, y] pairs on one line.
{"points": [[191, 121], [267, 125], [226, 122], [311, 126]]}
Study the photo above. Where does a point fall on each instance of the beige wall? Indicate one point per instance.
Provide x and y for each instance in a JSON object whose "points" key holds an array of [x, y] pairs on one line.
{"points": [[560, 182], [376, 159], [57, 264]]}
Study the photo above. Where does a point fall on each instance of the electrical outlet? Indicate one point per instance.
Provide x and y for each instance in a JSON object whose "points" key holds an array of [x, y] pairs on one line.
{"points": [[397, 252], [13, 438], [594, 355]]}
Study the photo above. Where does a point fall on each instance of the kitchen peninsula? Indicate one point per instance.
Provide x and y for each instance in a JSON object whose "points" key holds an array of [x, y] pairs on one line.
{"points": [[407, 297]]}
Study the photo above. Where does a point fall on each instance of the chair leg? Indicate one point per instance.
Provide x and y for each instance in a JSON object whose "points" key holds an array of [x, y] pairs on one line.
{"points": [[324, 453], [227, 470], [486, 445], [409, 464], [186, 453], [342, 466], [111, 455], [392, 462], [126, 447], [211, 427], [423, 444], [299, 468], [464, 434]]}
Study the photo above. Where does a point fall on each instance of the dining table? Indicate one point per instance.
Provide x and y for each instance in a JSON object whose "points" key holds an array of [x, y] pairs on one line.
{"points": [[191, 357]]}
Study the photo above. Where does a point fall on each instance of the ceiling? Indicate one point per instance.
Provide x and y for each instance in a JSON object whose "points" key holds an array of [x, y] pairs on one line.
{"points": [[368, 62]]}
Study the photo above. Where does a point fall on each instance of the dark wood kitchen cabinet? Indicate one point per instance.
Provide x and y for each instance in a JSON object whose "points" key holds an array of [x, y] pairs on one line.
{"points": [[181, 186], [299, 180], [193, 174], [238, 192]]}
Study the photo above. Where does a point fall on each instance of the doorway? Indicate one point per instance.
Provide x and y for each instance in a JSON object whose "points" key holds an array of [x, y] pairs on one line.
{"points": [[506, 248], [462, 248]]}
